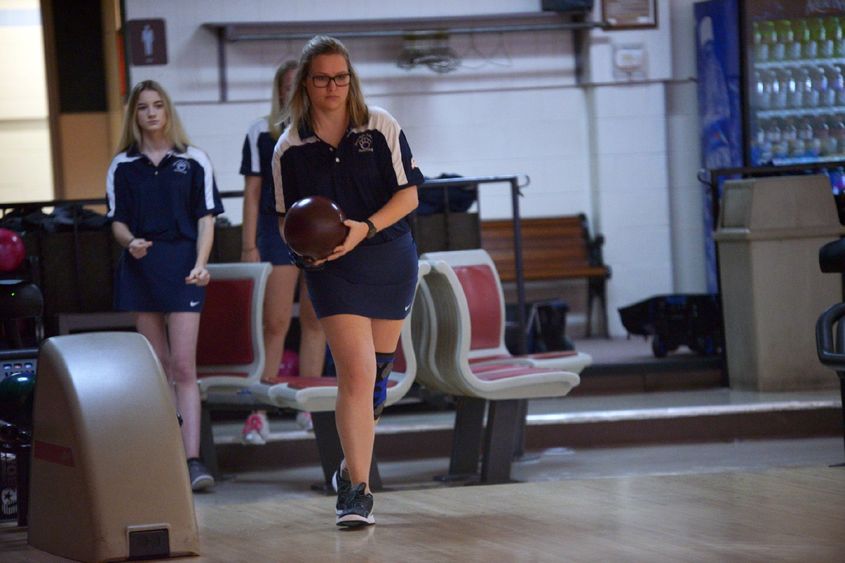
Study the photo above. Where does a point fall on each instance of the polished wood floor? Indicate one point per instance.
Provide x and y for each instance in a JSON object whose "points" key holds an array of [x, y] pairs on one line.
{"points": [[776, 515]]}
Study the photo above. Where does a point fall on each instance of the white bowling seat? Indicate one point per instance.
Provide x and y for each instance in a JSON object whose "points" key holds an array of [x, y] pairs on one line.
{"points": [[448, 356], [476, 273], [230, 345]]}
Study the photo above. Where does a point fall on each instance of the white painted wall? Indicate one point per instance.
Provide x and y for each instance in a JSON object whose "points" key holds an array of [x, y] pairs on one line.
{"points": [[618, 148], [24, 131]]}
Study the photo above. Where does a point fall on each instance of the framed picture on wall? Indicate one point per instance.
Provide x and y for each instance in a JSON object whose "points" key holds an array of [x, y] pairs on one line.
{"points": [[629, 14]]}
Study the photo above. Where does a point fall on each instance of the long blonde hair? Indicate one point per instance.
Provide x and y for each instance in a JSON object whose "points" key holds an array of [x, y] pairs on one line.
{"points": [[300, 105], [278, 107], [131, 132]]}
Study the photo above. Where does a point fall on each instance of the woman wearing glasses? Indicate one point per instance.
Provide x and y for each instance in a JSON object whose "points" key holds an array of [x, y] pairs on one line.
{"points": [[338, 147]]}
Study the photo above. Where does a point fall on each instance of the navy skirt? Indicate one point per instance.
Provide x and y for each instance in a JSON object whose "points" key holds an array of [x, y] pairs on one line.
{"points": [[156, 282], [376, 281], [269, 240]]}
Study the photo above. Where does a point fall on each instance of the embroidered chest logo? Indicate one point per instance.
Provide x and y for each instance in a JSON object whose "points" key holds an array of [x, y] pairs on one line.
{"points": [[181, 166], [364, 142]]}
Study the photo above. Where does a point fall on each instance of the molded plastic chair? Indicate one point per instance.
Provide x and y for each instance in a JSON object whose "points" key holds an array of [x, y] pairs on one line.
{"points": [[230, 345], [444, 365], [477, 275]]}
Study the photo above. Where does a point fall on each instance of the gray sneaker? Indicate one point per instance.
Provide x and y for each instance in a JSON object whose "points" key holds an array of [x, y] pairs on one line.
{"points": [[355, 508], [341, 485], [200, 477]]}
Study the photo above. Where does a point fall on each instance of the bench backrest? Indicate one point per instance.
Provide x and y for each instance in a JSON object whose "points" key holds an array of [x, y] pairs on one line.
{"points": [[552, 248], [485, 301], [446, 358], [230, 344]]}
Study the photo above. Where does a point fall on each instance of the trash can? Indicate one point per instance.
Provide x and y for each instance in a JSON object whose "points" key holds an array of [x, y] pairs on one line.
{"points": [[768, 237]]}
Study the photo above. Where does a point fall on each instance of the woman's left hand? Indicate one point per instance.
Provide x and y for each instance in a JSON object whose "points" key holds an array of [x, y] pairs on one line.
{"points": [[357, 232], [199, 276]]}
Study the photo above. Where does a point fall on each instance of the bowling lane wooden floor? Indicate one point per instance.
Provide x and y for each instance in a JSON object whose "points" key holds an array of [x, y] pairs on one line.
{"points": [[776, 515]]}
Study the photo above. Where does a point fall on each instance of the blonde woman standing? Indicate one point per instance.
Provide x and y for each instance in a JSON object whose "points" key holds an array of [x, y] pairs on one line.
{"points": [[162, 201]]}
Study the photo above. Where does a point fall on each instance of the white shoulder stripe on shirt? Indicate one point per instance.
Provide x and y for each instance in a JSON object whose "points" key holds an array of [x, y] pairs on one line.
{"points": [[382, 121], [119, 159], [258, 127], [203, 160]]}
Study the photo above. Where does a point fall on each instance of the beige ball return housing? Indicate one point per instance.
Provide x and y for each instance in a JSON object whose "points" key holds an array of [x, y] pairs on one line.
{"points": [[109, 479]]}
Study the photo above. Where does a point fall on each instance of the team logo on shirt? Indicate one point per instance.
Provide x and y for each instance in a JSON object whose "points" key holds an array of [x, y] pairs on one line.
{"points": [[364, 142], [181, 166]]}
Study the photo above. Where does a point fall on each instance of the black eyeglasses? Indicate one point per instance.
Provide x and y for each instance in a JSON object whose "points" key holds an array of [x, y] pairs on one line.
{"points": [[322, 80]]}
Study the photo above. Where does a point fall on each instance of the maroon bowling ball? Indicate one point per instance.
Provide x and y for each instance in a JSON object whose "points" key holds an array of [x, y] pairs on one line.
{"points": [[314, 227], [12, 250]]}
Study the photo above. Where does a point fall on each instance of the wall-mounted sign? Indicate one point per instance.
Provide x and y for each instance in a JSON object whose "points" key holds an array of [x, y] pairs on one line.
{"points": [[629, 14], [147, 42]]}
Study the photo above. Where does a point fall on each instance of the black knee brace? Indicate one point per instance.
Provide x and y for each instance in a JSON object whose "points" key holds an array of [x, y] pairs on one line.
{"points": [[384, 365]]}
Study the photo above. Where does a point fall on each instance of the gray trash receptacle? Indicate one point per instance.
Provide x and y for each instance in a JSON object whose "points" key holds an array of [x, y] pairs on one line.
{"points": [[768, 236]]}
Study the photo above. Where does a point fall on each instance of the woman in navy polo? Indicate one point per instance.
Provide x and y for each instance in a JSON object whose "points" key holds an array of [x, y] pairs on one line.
{"points": [[356, 155], [162, 202], [261, 240]]}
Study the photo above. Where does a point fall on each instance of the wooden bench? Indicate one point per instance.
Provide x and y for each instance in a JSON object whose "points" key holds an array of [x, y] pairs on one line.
{"points": [[553, 248]]}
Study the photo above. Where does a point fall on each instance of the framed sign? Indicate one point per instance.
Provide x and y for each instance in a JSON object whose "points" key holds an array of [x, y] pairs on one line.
{"points": [[629, 14], [147, 42]]}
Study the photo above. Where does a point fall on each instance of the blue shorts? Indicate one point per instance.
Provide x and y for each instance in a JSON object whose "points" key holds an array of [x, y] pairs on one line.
{"points": [[271, 246], [156, 282], [376, 281]]}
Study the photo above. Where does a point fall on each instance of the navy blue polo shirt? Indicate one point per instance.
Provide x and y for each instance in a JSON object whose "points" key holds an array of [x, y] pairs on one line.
{"points": [[255, 161], [370, 164], [162, 202]]}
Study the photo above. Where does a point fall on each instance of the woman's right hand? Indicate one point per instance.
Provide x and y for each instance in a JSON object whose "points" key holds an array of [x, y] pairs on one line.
{"points": [[251, 255], [138, 247]]}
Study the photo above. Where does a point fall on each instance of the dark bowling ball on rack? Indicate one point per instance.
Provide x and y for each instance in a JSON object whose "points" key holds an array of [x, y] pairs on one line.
{"points": [[12, 250], [314, 227], [16, 391]]}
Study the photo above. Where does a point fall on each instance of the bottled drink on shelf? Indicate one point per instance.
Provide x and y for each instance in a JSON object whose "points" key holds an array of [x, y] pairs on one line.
{"points": [[840, 94], [826, 141], [800, 35], [803, 32], [807, 135], [789, 133], [839, 36], [780, 89], [818, 31], [835, 85], [762, 90], [780, 146], [794, 89], [805, 85], [833, 30], [813, 95], [768, 41], [784, 37], [761, 49]]}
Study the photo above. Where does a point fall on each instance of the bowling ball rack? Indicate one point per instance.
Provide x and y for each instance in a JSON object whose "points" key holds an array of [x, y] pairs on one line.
{"points": [[15, 442]]}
